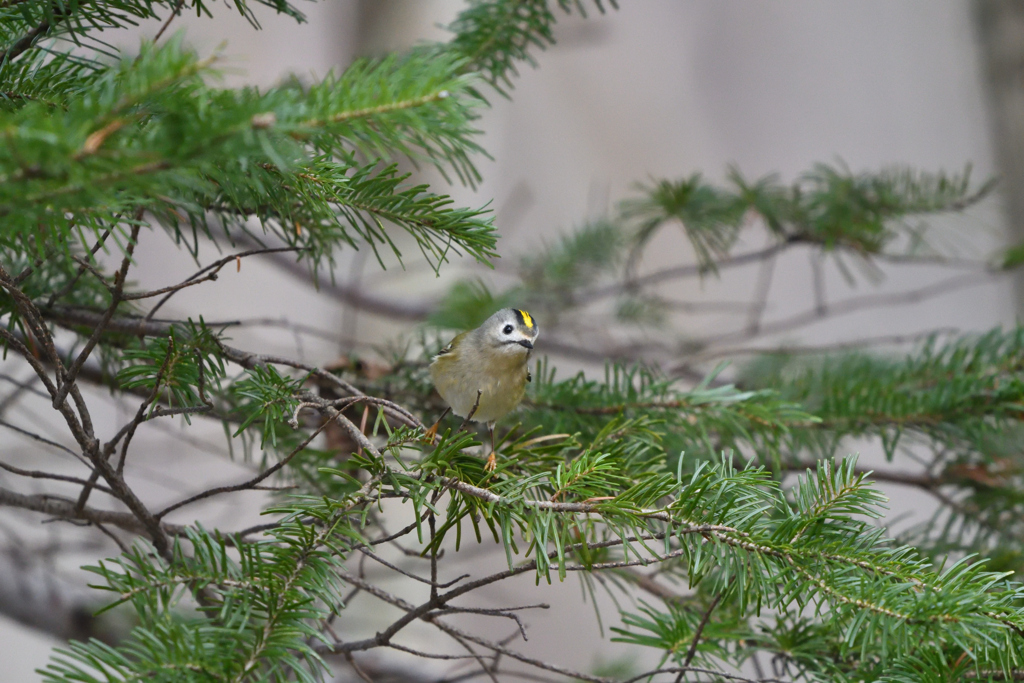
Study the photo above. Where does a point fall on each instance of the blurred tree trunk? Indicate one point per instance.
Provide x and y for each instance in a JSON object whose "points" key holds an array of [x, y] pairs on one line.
{"points": [[1001, 35], [37, 598]]}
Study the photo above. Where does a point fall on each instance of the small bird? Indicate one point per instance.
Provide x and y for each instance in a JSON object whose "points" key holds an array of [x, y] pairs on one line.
{"points": [[482, 374]]}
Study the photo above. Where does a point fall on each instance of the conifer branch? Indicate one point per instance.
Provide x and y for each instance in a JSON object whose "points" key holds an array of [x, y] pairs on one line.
{"points": [[25, 42], [62, 508]]}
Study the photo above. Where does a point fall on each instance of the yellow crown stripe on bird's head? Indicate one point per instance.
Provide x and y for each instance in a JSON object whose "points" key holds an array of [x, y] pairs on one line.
{"points": [[525, 317]]}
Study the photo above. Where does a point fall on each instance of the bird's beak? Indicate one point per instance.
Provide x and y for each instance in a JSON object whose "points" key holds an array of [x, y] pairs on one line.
{"points": [[526, 344]]}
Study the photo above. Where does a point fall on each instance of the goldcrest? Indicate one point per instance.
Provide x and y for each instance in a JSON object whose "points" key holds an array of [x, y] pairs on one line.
{"points": [[482, 374]]}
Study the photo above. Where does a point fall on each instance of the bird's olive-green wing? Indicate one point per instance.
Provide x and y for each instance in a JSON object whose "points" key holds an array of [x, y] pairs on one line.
{"points": [[451, 350]]}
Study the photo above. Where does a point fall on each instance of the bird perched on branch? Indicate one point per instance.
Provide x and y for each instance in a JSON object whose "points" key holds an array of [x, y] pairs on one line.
{"points": [[482, 374]]}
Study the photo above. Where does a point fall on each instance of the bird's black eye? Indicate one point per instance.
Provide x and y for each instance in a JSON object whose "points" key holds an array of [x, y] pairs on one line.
{"points": [[508, 329]]}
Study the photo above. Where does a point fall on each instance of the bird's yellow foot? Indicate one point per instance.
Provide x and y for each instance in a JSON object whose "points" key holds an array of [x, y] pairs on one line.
{"points": [[492, 462], [430, 435]]}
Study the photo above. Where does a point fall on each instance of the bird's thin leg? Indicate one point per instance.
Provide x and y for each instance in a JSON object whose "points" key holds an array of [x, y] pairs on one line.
{"points": [[472, 411], [431, 434], [492, 460]]}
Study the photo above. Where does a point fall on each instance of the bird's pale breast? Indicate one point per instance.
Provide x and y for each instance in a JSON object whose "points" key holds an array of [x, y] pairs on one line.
{"points": [[500, 381]]}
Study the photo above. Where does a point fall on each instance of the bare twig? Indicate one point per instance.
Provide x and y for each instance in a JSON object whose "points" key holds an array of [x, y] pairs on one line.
{"points": [[506, 612], [883, 340], [167, 23], [761, 291], [43, 440], [355, 667], [855, 304], [355, 297], [472, 411], [433, 555], [432, 582], [251, 483], [649, 584], [63, 291], [28, 40], [64, 508], [692, 651], [252, 360], [206, 274], [20, 387], [428, 655], [128, 431], [36, 474], [112, 536], [679, 272], [116, 298]]}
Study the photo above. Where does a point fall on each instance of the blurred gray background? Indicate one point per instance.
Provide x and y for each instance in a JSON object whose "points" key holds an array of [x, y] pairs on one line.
{"points": [[659, 88]]}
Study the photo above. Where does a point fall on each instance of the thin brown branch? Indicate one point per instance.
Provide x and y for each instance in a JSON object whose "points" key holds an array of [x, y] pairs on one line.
{"points": [[206, 274], [762, 289], [68, 381], [251, 483], [163, 28], [506, 612], [649, 584], [921, 481], [432, 618], [63, 291], [112, 536], [432, 582], [700, 670], [484, 667], [123, 493], [413, 612], [85, 266], [883, 340], [855, 304], [43, 440], [251, 361], [692, 651], [433, 553], [391, 408], [33, 323], [64, 508], [355, 296], [72, 317], [408, 529], [355, 667], [78, 429], [428, 655], [677, 273], [26, 41], [36, 474], [382, 638], [128, 431]]}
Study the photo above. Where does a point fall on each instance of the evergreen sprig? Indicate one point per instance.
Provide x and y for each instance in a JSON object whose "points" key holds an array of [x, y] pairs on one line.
{"points": [[828, 206], [961, 395], [702, 420], [494, 36], [149, 133]]}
